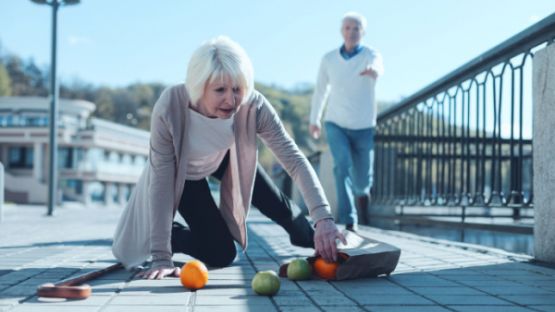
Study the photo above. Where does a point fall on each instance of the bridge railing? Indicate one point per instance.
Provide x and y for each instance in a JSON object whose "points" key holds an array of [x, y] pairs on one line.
{"points": [[466, 139]]}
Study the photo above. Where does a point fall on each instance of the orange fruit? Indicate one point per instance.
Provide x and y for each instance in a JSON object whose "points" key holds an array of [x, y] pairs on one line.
{"points": [[324, 269], [194, 275]]}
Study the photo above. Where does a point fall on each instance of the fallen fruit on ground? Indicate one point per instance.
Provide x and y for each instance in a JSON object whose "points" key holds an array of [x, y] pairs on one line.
{"points": [[194, 275], [324, 269], [266, 283], [299, 269]]}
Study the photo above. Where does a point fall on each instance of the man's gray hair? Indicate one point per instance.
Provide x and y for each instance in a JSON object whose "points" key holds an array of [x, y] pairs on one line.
{"points": [[357, 17], [215, 59]]}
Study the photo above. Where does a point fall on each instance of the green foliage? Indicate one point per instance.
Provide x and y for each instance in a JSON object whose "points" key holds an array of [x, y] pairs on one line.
{"points": [[132, 105], [5, 82]]}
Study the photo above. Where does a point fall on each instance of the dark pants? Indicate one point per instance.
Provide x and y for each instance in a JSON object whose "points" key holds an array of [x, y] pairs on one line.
{"points": [[207, 237]]}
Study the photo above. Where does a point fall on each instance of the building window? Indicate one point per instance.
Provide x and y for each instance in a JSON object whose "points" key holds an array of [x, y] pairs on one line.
{"points": [[96, 191], [21, 157], [65, 157], [80, 154], [76, 186], [10, 121]]}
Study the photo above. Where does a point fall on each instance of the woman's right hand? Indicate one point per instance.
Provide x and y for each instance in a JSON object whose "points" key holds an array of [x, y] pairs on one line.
{"points": [[159, 272]]}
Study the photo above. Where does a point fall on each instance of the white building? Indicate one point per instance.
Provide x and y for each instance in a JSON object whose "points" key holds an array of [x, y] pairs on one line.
{"points": [[98, 160]]}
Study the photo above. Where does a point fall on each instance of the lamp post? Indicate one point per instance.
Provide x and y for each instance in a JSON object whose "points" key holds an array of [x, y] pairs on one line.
{"points": [[53, 122]]}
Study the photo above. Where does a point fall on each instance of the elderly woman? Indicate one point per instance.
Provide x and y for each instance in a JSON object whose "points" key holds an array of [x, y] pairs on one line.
{"points": [[208, 127]]}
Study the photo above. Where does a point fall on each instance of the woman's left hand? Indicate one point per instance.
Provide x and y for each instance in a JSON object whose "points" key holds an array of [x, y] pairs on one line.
{"points": [[325, 239], [159, 272]]}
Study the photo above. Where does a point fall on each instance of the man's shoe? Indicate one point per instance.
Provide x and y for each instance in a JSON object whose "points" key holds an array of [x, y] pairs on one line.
{"points": [[362, 208], [350, 227]]}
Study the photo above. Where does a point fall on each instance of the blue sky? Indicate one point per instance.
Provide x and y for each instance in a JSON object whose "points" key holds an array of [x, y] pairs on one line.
{"points": [[115, 43]]}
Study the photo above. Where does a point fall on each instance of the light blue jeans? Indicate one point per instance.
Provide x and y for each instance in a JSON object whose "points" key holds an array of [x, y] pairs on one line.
{"points": [[353, 155]]}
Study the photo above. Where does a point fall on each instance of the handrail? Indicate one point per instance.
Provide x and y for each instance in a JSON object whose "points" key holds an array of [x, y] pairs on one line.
{"points": [[532, 36]]}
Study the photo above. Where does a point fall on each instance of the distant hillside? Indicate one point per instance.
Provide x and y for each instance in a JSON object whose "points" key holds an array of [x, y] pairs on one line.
{"points": [[132, 105]]}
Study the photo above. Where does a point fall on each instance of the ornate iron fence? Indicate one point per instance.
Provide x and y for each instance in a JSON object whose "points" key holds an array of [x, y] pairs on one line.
{"points": [[466, 139]]}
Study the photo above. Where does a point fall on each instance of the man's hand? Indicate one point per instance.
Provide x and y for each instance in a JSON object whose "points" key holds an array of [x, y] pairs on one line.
{"points": [[325, 239], [369, 72], [314, 131], [159, 272]]}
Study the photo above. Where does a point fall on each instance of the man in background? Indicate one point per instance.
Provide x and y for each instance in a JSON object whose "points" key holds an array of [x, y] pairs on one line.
{"points": [[346, 83]]}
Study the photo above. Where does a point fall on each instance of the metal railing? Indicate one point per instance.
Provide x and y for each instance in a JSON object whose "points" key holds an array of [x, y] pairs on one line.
{"points": [[466, 139]]}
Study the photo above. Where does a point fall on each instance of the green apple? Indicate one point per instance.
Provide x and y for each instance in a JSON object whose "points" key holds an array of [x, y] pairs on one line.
{"points": [[266, 283], [299, 269]]}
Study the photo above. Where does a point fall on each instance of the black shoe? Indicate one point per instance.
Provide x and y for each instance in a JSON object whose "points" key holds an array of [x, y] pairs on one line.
{"points": [[350, 227], [362, 208]]}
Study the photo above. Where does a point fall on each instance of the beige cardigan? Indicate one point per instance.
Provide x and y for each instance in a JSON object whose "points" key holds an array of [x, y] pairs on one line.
{"points": [[144, 228]]}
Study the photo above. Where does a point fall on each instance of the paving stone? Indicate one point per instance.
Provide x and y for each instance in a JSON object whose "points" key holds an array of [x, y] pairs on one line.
{"points": [[445, 291], [544, 308], [298, 300], [306, 308], [391, 300], [530, 299], [334, 301], [471, 308], [53, 308], [146, 308], [233, 300], [228, 292], [17, 290], [517, 290], [467, 300], [234, 308], [160, 299], [152, 291], [422, 308], [222, 284], [93, 300]]}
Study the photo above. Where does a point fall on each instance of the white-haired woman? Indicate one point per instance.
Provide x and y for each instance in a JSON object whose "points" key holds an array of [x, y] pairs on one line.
{"points": [[208, 127]]}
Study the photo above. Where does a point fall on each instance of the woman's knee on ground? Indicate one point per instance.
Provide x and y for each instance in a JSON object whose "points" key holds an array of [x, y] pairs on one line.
{"points": [[218, 255]]}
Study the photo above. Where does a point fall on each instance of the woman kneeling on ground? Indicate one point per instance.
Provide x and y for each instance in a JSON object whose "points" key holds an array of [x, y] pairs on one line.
{"points": [[204, 128]]}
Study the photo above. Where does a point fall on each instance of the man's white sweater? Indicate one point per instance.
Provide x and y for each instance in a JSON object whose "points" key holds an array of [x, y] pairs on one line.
{"points": [[349, 95]]}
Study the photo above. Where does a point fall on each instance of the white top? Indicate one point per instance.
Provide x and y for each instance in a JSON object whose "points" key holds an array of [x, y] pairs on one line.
{"points": [[207, 143], [350, 96]]}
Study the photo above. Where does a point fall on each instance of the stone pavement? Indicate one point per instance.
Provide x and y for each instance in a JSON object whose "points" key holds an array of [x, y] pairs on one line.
{"points": [[433, 275]]}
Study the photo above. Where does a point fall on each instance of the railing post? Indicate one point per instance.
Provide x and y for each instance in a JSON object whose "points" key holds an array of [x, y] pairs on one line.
{"points": [[543, 85]]}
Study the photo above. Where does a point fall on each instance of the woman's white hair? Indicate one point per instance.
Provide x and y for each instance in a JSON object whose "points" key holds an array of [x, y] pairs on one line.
{"points": [[357, 17], [216, 59]]}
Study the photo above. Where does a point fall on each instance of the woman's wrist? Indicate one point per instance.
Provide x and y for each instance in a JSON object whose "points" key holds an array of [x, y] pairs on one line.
{"points": [[324, 219], [162, 263]]}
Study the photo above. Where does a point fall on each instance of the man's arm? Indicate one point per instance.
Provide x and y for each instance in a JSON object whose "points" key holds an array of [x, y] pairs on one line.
{"points": [[375, 66], [319, 97]]}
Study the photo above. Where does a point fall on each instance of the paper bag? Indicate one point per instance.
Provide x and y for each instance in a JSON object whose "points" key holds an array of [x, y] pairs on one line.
{"points": [[361, 257]]}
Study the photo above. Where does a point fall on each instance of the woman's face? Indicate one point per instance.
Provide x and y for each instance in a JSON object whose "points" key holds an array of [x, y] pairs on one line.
{"points": [[221, 98]]}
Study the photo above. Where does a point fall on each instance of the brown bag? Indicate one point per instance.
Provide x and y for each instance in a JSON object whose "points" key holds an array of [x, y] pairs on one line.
{"points": [[361, 257]]}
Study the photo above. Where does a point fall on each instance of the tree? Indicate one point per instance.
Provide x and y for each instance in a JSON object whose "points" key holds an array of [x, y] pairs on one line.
{"points": [[5, 82], [37, 80], [20, 81]]}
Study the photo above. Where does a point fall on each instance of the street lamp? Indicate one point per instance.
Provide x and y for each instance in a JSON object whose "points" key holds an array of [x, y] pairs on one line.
{"points": [[53, 151]]}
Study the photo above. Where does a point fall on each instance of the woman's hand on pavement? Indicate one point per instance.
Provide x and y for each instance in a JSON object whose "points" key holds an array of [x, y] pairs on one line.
{"points": [[159, 272]]}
